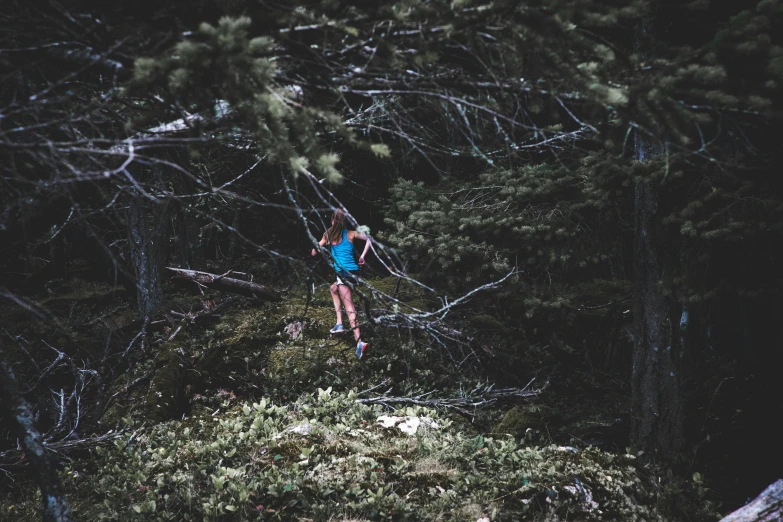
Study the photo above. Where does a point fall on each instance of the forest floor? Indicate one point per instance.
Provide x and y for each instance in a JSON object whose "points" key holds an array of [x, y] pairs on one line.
{"points": [[253, 411]]}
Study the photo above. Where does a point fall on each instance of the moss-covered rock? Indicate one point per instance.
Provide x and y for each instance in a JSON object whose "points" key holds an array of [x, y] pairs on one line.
{"points": [[234, 352], [518, 419], [297, 367]]}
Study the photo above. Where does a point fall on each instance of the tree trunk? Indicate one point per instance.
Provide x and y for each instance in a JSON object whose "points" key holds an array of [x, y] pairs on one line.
{"points": [[767, 507], [234, 243], [185, 221], [656, 423], [656, 406], [55, 506], [147, 240], [226, 284], [189, 241]]}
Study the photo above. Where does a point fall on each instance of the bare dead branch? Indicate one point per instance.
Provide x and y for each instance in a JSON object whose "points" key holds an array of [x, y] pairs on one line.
{"points": [[227, 284], [479, 397], [767, 507], [55, 507]]}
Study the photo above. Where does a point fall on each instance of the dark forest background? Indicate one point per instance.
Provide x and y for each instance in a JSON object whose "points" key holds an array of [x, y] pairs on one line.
{"points": [[583, 193]]}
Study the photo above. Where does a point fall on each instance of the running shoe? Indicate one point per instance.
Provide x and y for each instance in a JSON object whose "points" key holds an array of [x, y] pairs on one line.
{"points": [[338, 328], [361, 347]]}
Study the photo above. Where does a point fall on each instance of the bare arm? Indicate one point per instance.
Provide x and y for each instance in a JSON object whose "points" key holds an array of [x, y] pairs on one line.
{"points": [[321, 243], [367, 244]]}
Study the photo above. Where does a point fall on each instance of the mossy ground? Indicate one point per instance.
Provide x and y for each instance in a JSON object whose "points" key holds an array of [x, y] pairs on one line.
{"points": [[253, 349], [225, 454]]}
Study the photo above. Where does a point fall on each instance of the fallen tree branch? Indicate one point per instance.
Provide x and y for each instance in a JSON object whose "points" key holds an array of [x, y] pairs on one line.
{"points": [[479, 397], [767, 507], [16, 457], [226, 284]]}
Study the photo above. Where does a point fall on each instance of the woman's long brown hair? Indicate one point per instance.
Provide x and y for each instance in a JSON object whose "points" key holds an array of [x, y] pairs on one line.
{"points": [[335, 232]]}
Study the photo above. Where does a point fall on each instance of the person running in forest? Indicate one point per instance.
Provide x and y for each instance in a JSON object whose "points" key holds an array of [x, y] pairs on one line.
{"points": [[340, 241]]}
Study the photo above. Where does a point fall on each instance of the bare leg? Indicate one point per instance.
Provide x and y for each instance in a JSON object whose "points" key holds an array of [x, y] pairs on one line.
{"points": [[338, 307], [350, 309]]}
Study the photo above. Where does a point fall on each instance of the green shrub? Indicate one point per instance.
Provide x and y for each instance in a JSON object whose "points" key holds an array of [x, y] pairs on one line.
{"points": [[326, 455]]}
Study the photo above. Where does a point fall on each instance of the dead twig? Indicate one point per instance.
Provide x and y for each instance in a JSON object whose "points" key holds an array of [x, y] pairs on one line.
{"points": [[16, 458], [479, 397]]}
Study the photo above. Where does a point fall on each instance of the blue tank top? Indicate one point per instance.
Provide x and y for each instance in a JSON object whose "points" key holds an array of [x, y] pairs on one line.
{"points": [[342, 253]]}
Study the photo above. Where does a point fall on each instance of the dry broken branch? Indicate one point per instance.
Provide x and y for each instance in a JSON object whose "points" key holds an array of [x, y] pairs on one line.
{"points": [[479, 397], [226, 284], [16, 458], [767, 507]]}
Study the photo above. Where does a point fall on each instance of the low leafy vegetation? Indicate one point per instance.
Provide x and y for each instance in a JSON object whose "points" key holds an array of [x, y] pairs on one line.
{"points": [[328, 457]]}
